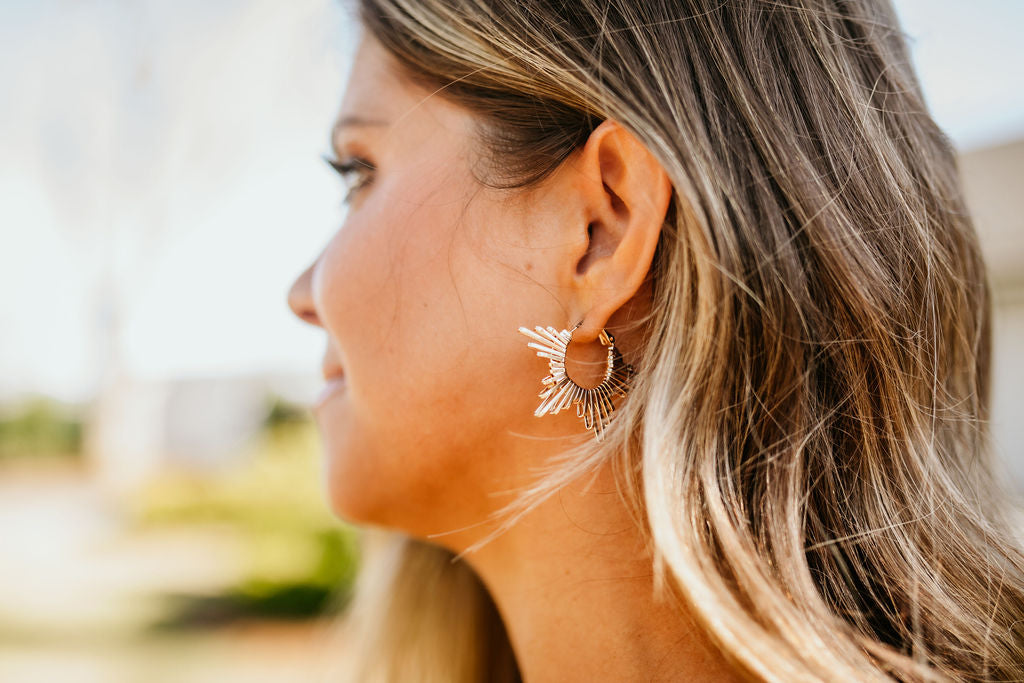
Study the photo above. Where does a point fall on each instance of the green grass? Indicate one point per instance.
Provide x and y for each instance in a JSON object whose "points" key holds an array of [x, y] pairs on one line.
{"points": [[301, 560], [40, 427]]}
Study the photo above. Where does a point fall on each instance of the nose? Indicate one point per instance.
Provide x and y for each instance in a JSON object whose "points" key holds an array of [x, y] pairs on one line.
{"points": [[300, 297]]}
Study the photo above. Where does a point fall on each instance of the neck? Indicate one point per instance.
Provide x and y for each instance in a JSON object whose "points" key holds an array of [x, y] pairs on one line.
{"points": [[574, 585]]}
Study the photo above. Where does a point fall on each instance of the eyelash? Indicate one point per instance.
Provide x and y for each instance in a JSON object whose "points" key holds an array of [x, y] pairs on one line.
{"points": [[352, 167]]}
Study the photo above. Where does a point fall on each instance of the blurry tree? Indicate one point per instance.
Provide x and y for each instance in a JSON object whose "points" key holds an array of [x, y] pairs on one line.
{"points": [[301, 561], [40, 427]]}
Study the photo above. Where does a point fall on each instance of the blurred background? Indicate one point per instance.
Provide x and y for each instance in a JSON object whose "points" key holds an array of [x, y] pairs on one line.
{"points": [[161, 509]]}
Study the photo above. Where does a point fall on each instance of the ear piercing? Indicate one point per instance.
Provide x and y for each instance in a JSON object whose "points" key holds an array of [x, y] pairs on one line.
{"points": [[593, 405]]}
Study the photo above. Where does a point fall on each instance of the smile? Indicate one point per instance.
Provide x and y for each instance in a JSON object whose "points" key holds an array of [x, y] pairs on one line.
{"points": [[335, 385]]}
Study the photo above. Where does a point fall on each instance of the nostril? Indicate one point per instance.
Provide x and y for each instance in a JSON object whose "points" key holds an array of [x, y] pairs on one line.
{"points": [[300, 297], [303, 310]]}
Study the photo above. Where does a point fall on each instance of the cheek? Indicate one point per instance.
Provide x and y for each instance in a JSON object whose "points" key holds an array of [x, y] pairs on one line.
{"points": [[425, 328]]}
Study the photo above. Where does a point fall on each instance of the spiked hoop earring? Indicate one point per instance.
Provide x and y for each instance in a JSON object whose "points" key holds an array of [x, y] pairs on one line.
{"points": [[593, 404]]}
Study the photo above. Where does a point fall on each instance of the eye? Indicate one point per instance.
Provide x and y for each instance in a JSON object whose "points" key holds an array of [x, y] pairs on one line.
{"points": [[355, 172]]}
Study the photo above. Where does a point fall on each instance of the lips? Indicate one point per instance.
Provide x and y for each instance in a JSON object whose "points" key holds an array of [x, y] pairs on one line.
{"points": [[332, 371], [334, 378], [335, 386], [331, 364]]}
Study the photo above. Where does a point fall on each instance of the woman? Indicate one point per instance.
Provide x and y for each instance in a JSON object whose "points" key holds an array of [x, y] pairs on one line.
{"points": [[748, 239]]}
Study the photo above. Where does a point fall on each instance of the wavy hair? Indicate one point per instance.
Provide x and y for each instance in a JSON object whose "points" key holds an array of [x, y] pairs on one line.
{"points": [[806, 445]]}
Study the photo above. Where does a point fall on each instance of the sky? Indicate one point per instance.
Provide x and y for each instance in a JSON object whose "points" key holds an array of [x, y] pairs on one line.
{"points": [[161, 183]]}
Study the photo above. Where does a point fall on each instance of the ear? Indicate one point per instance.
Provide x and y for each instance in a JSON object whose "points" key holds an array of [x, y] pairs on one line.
{"points": [[625, 194]]}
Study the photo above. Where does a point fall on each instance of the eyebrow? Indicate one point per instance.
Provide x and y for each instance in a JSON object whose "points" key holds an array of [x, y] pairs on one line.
{"points": [[355, 120]]}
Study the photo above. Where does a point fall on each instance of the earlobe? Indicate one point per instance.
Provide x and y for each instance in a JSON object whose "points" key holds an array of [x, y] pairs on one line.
{"points": [[627, 194]]}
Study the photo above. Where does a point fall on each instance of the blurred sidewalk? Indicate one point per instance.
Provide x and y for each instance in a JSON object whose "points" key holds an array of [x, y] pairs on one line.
{"points": [[78, 590]]}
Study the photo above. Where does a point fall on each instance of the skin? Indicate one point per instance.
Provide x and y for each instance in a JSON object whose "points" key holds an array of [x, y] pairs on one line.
{"points": [[420, 294]]}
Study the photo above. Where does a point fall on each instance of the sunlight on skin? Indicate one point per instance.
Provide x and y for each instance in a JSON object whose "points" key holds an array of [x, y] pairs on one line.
{"points": [[81, 206]]}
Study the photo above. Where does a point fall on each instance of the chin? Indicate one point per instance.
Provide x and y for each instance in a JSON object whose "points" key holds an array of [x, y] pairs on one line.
{"points": [[361, 484], [391, 488], [354, 484], [348, 471]]}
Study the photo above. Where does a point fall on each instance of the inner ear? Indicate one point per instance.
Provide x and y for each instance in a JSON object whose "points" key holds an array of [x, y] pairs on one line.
{"points": [[588, 255], [601, 240], [618, 206]]}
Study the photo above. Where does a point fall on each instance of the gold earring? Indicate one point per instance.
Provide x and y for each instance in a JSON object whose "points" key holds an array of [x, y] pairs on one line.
{"points": [[593, 404]]}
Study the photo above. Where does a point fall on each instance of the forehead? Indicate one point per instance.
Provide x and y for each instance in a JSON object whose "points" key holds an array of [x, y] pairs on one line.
{"points": [[378, 94], [374, 78]]}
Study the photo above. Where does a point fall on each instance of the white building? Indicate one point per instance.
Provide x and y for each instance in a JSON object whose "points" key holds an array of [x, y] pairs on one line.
{"points": [[994, 182]]}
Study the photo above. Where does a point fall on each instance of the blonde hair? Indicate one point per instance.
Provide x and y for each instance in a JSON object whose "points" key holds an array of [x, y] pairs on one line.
{"points": [[805, 446]]}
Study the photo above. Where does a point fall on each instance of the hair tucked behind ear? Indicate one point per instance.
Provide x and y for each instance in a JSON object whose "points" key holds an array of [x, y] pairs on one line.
{"points": [[806, 441]]}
